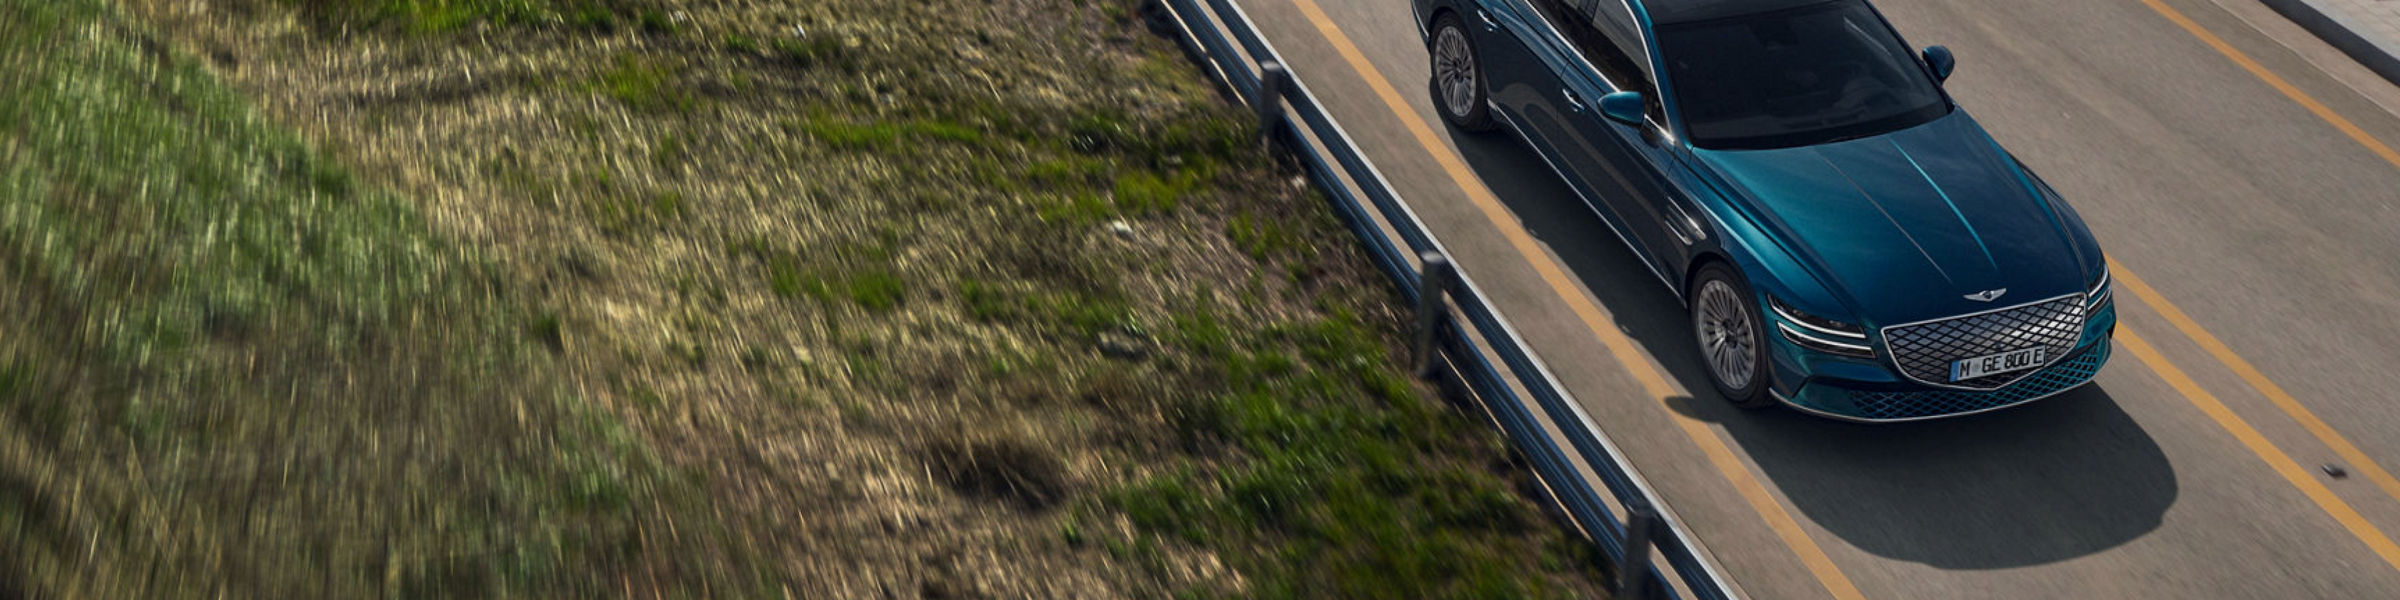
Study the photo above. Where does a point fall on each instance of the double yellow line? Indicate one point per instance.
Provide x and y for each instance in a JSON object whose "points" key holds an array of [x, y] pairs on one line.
{"points": [[1726, 461], [2341, 511]]}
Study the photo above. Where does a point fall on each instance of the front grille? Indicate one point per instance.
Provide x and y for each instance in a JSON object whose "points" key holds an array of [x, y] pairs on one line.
{"points": [[1924, 351], [1883, 406]]}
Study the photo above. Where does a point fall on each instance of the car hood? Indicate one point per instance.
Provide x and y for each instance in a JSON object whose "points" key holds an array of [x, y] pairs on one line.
{"points": [[1905, 226]]}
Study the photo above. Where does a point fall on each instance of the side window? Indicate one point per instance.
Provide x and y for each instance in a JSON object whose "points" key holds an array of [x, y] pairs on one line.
{"points": [[1615, 20], [1603, 32]]}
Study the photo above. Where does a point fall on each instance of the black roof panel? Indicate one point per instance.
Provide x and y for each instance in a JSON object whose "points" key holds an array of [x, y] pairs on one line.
{"points": [[1668, 12]]}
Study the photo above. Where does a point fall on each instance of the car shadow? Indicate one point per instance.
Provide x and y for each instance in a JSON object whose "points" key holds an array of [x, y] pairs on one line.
{"points": [[2051, 481]]}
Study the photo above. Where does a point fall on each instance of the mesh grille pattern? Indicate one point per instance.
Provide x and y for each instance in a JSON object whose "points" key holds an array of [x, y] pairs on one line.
{"points": [[1924, 351], [1934, 403]]}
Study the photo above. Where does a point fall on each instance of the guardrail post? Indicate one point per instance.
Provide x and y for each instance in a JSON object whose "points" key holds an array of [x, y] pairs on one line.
{"points": [[1433, 283], [1273, 81], [1633, 573]]}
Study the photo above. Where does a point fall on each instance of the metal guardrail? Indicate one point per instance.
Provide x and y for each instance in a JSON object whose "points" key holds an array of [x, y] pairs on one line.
{"points": [[1463, 336]]}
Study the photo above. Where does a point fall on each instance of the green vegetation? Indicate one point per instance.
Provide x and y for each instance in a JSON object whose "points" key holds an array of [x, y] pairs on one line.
{"points": [[1147, 192], [741, 43], [655, 22], [646, 84], [441, 16], [876, 290], [808, 52], [884, 136], [1329, 476], [731, 310]]}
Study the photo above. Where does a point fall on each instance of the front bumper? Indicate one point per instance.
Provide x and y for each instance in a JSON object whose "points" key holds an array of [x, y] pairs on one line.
{"points": [[1869, 391]]}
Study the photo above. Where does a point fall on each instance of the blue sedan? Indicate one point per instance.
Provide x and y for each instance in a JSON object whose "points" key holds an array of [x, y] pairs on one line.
{"points": [[1850, 243]]}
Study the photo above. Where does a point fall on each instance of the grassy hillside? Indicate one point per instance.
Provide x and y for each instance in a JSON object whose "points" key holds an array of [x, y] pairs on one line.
{"points": [[444, 298], [229, 364]]}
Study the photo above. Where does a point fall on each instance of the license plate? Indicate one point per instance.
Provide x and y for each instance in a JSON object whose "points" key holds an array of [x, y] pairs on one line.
{"points": [[2005, 362]]}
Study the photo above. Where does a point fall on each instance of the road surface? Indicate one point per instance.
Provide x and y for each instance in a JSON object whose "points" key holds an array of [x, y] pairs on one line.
{"points": [[2237, 170]]}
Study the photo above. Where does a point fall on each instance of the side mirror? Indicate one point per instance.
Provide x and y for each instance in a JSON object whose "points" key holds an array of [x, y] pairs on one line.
{"points": [[1939, 59], [1622, 107]]}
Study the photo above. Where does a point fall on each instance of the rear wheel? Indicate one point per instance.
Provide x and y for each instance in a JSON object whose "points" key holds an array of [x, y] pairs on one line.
{"points": [[1731, 335], [1458, 88]]}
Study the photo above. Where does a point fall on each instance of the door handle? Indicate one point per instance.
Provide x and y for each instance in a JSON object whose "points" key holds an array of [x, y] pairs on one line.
{"points": [[1574, 102], [1489, 24]]}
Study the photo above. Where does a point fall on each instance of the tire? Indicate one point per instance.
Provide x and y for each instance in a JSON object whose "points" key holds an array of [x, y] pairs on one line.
{"points": [[1458, 87], [1732, 336]]}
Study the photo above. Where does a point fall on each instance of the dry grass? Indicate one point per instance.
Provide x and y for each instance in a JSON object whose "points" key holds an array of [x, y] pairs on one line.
{"points": [[821, 299]]}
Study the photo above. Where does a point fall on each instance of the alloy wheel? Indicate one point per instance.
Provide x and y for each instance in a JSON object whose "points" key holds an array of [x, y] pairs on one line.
{"points": [[1454, 71], [1726, 333]]}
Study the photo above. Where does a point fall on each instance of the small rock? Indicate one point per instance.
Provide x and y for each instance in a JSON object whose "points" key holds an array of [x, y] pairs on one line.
{"points": [[1121, 228], [2336, 471], [1122, 346]]}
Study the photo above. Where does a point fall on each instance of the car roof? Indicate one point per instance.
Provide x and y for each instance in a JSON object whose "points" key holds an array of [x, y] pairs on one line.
{"points": [[1669, 12]]}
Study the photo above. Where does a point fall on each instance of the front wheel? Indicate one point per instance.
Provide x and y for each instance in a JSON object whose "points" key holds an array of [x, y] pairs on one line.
{"points": [[1732, 336], [1458, 86]]}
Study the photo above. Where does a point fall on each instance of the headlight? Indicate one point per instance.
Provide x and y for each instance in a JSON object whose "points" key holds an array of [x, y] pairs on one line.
{"points": [[2098, 294], [1819, 333]]}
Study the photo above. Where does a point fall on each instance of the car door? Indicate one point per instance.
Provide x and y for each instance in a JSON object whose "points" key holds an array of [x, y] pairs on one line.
{"points": [[1665, 222], [1516, 63], [1656, 182], [1586, 49]]}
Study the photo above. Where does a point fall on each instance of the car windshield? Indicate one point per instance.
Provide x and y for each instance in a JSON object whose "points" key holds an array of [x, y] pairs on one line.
{"points": [[1810, 75]]}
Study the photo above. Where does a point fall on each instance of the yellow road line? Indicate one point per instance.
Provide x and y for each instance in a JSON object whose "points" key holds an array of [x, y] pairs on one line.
{"points": [[2289, 91], [2250, 437], [1720, 455], [2224, 354], [2316, 426]]}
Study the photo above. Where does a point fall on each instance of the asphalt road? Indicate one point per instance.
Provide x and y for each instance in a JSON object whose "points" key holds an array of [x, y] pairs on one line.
{"points": [[2237, 171]]}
